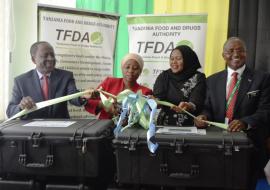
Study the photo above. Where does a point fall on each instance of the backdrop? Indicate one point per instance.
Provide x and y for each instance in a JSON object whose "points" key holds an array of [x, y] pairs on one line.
{"points": [[216, 27]]}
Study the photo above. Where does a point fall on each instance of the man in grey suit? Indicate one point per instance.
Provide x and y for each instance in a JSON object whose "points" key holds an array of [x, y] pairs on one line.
{"points": [[250, 97], [29, 87]]}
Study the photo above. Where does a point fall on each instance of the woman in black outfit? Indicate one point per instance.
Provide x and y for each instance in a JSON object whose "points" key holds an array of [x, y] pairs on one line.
{"points": [[181, 85]]}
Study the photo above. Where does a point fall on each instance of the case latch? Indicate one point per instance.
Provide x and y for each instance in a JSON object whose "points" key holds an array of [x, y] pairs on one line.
{"points": [[35, 138], [179, 146], [227, 144], [228, 147], [78, 141], [22, 159], [132, 143], [49, 160]]}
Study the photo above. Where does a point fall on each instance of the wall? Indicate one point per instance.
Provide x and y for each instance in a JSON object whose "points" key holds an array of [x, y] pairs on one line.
{"points": [[25, 33]]}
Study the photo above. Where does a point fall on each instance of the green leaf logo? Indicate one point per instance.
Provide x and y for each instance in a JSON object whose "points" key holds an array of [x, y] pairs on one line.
{"points": [[96, 38], [185, 42]]}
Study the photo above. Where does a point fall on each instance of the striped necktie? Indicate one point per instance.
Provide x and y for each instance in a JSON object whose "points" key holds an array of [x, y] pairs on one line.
{"points": [[232, 95]]}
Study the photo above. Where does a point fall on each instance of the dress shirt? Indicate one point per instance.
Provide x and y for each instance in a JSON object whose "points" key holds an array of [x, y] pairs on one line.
{"points": [[229, 76]]}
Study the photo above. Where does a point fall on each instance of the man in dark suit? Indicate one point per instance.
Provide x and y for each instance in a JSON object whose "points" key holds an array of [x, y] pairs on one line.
{"points": [[42, 83], [240, 97], [252, 104]]}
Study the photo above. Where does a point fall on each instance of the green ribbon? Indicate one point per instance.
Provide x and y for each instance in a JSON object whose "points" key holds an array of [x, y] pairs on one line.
{"points": [[216, 124], [136, 110], [144, 117], [46, 103], [107, 102]]}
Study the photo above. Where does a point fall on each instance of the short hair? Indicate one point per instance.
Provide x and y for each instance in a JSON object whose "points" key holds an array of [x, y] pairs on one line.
{"points": [[234, 39], [34, 47]]}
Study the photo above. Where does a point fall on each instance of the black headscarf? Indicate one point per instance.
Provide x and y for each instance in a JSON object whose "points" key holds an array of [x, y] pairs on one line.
{"points": [[191, 64]]}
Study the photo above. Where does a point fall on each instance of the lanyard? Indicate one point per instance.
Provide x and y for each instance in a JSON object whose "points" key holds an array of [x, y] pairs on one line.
{"points": [[233, 92]]}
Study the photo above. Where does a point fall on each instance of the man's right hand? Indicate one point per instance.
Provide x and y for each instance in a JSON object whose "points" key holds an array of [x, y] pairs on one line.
{"points": [[199, 121], [27, 103]]}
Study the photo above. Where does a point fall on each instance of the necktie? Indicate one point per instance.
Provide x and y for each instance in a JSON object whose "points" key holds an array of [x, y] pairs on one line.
{"points": [[231, 97], [45, 87]]}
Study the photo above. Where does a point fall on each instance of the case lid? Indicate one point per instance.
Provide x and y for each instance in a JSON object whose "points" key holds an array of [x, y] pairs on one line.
{"points": [[213, 136], [56, 128]]}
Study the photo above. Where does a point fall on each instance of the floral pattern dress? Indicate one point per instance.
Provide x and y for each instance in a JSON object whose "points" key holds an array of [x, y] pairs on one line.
{"points": [[190, 90]]}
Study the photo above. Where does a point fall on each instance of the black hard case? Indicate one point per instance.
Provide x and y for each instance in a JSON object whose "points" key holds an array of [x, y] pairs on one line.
{"points": [[81, 150], [218, 159]]}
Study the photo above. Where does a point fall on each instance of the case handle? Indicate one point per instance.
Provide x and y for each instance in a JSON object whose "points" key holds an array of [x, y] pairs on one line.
{"points": [[194, 172], [48, 162]]}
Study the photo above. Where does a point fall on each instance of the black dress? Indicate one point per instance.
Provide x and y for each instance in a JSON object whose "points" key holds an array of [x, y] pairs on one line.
{"points": [[168, 88]]}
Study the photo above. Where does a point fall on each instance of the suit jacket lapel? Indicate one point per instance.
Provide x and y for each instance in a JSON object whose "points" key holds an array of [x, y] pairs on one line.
{"points": [[37, 86], [245, 84], [221, 91]]}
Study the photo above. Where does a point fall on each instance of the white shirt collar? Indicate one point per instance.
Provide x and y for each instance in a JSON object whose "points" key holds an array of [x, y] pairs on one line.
{"points": [[239, 71], [229, 76], [40, 75]]}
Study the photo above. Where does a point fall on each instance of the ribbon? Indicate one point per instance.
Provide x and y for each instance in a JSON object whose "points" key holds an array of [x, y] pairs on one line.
{"points": [[46, 103], [164, 103], [216, 124], [151, 139], [140, 110]]}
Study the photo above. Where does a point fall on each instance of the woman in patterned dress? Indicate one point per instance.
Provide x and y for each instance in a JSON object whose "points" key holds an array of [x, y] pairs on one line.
{"points": [[181, 85]]}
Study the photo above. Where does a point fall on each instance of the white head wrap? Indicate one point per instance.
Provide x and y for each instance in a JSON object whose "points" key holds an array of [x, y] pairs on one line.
{"points": [[135, 57]]}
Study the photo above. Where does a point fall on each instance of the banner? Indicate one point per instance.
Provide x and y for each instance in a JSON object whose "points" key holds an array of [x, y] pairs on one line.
{"points": [[154, 37], [84, 43]]}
